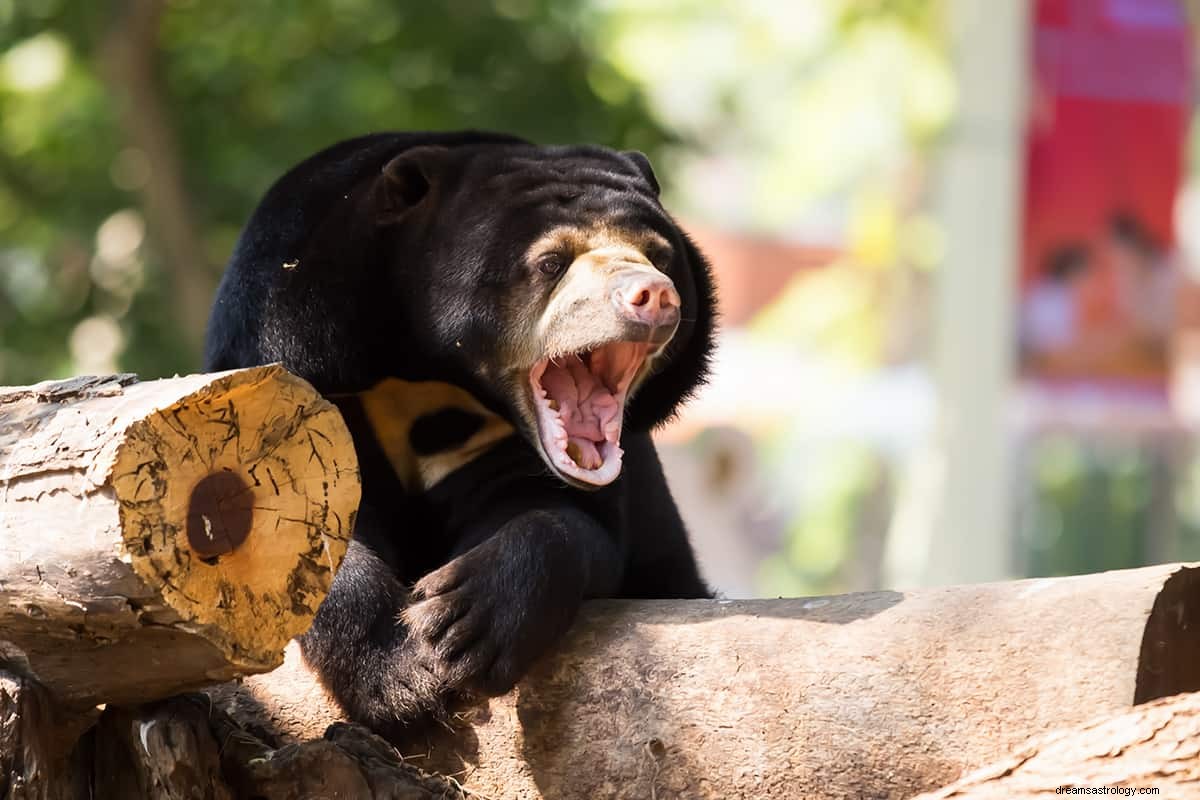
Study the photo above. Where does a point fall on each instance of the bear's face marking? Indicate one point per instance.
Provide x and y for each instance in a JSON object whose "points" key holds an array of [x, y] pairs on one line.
{"points": [[578, 356]]}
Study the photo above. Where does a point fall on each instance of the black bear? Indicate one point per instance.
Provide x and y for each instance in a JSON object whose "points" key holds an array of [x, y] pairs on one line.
{"points": [[501, 324]]}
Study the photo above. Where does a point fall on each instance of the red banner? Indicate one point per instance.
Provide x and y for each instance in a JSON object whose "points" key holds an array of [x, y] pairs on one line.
{"points": [[1109, 112]]}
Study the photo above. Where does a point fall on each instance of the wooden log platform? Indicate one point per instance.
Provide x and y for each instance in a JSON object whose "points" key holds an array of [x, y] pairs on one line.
{"points": [[168, 535], [882, 694]]}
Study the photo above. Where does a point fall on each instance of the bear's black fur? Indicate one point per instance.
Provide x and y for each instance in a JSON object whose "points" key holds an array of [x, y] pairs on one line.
{"points": [[428, 283]]}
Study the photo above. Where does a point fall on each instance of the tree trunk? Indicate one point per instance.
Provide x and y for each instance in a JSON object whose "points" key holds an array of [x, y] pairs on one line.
{"points": [[130, 62], [1155, 746], [883, 694], [165, 535]]}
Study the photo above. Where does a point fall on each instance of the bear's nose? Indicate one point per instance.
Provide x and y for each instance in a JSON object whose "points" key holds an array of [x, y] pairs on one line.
{"points": [[647, 298]]}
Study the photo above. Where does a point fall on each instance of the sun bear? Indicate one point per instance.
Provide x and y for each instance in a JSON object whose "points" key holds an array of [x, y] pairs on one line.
{"points": [[502, 325]]}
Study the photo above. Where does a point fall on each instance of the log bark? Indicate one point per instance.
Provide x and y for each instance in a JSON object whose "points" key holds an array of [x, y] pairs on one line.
{"points": [[36, 758], [1154, 746], [184, 749], [883, 694], [163, 750], [349, 761], [160, 536]]}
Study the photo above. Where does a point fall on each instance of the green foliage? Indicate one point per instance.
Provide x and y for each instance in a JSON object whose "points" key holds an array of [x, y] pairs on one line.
{"points": [[1099, 505], [803, 102], [250, 88]]}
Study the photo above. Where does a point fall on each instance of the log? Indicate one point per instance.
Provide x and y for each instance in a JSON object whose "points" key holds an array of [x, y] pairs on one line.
{"points": [[161, 536], [164, 750], [183, 749], [881, 694], [1154, 746], [36, 758]]}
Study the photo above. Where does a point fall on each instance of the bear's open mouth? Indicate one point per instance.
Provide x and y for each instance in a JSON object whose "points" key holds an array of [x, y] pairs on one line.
{"points": [[580, 401]]}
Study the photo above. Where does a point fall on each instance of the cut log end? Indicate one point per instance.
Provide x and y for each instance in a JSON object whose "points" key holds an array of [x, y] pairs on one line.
{"points": [[164, 535], [1169, 661], [234, 499]]}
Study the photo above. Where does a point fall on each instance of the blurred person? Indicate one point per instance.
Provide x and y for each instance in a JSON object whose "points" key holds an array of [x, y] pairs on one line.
{"points": [[1147, 283], [1050, 315]]}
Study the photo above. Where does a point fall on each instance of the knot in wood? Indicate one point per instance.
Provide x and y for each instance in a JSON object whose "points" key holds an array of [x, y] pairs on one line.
{"points": [[220, 513]]}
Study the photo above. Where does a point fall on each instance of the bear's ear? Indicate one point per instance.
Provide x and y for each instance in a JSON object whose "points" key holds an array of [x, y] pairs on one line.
{"points": [[408, 178], [642, 163]]}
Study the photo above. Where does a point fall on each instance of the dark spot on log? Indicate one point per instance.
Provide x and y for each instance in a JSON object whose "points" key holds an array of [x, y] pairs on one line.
{"points": [[656, 748], [220, 514], [1169, 662]]}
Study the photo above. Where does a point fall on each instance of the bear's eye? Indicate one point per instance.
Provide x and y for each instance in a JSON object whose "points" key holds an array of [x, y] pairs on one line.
{"points": [[552, 264], [658, 254]]}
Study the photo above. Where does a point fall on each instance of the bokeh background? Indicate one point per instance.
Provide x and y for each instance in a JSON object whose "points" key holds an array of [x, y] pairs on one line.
{"points": [[863, 173]]}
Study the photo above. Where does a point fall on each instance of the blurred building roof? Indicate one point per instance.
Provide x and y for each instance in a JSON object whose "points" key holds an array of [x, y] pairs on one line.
{"points": [[751, 271]]}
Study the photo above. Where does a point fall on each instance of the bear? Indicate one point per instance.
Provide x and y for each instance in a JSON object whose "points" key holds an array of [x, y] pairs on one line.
{"points": [[501, 324]]}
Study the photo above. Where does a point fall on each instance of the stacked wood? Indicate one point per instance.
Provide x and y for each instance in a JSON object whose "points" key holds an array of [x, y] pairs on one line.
{"points": [[183, 748], [165, 535], [882, 694], [156, 537], [37, 754], [1153, 747]]}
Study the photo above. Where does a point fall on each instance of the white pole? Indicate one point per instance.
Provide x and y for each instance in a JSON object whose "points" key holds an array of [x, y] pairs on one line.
{"points": [[955, 515]]}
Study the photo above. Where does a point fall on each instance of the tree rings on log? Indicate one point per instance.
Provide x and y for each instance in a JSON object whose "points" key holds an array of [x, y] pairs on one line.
{"points": [[215, 506]]}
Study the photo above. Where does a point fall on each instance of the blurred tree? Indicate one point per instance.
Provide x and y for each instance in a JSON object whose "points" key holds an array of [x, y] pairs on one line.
{"points": [[1096, 502], [800, 106], [816, 119], [136, 136]]}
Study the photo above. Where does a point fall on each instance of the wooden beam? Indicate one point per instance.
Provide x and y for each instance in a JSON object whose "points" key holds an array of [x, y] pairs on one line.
{"points": [[882, 694], [164, 535], [1154, 746]]}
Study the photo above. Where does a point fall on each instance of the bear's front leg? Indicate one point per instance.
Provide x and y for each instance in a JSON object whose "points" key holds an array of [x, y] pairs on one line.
{"points": [[483, 618], [362, 651]]}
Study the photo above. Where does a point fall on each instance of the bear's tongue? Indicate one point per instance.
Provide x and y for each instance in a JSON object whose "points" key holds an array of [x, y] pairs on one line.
{"points": [[589, 411], [581, 400]]}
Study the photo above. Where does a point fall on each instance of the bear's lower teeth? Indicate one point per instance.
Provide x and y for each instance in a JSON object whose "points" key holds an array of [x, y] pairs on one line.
{"points": [[579, 402]]}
